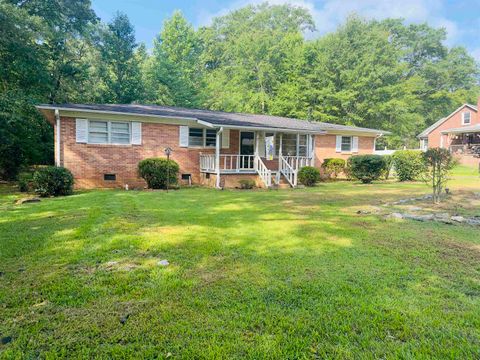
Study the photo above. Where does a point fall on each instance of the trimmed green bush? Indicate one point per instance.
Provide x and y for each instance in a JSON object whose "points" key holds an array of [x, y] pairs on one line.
{"points": [[154, 172], [308, 175], [409, 164], [247, 184], [332, 167], [53, 181], [366, 168]]}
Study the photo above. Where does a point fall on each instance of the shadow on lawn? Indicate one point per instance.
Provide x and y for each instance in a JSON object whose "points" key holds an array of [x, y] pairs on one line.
{"points": [[258, 269]]}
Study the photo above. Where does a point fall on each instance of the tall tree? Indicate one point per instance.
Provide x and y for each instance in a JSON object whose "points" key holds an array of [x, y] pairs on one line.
{"points": [[174, 69], [120, 71], [248, 53]]}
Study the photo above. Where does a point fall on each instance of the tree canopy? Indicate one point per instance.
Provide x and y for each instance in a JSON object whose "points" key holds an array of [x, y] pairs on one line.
{"points": [[382, 74]]}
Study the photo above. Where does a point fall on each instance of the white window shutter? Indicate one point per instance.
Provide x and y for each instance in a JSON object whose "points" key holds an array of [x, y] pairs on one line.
{"points": [[136, 133], [338, 144], [355, 144], [183, 136], [225, 139], [81, 130]]}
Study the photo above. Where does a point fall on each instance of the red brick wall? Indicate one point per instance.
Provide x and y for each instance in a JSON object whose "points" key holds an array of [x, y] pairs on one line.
{"points": [[455, 121], [89, 162], [325, 148]]}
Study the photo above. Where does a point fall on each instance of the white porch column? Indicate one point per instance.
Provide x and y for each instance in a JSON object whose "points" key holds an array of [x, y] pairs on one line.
{"points": [[312, 150], [217, 156], [57, 140]]}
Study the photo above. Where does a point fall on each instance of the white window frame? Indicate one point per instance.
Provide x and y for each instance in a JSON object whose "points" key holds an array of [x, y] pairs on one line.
{"points": [[204, 138], [109, 132], [469, 118], [351, 144]]}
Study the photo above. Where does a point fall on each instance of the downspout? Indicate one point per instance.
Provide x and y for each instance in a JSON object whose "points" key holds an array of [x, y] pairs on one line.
{"points": [[217, 156], [57, 138]]}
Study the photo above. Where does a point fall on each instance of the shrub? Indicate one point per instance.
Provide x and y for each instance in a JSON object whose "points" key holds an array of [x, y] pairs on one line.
{"points": [[388, 159], [333, 166], [25, 180], [154, 172], [438, 163], [53, 181], [247, 184], [366, 168], [409, 164], [308, 175]]}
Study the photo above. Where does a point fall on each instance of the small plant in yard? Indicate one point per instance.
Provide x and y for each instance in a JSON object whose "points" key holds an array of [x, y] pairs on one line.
{"points": [[247, 184], [409, 164], [332, 167], [53, 181], [439, 162], [388, 160], [309, 175], [366, 168], [154, 172]]}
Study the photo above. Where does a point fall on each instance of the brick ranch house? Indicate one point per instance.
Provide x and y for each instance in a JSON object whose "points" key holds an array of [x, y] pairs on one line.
{"points": [[103, 144], [459, 132]]}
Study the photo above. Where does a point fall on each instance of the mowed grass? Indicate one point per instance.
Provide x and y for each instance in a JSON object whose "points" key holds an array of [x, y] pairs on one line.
{"points": [[252, 274]]}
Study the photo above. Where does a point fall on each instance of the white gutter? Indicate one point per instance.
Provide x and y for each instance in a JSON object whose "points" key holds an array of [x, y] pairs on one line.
{"points": [[57, 148]]}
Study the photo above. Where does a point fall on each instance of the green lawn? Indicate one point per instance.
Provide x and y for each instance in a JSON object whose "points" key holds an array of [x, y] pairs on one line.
{"points": [[252, 274]]}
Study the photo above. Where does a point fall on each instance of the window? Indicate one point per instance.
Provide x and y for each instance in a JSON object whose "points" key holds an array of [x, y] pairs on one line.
{"points": [[210, 137], [119, 133], [424, 144], [466, 118], [289, 144], [98, 132], [202, 137], [302, 145], [346, 143], [108, 132], [292, 144], [195, 137]]}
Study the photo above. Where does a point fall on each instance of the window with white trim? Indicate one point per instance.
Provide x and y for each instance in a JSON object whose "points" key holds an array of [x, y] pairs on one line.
{"points": [[109, 132], [199, 137], [346, 143], [195, 137], [302, 145], [466, 118]]}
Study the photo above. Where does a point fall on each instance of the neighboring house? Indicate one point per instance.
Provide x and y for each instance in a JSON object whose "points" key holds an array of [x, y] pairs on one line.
{"points": [[103, 144], [459, 132]]}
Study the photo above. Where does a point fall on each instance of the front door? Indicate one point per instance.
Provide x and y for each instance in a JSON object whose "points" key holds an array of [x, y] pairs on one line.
{"points": [[247, 147]]}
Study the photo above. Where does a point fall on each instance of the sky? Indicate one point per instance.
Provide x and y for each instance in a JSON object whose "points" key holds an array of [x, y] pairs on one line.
{"points": [[461, 18]]}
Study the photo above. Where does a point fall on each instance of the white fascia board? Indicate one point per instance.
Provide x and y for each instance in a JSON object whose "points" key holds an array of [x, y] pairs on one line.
{"points": [[117, 113]]}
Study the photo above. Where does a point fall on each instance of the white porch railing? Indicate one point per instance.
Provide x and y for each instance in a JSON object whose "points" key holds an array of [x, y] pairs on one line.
{"points": [[288, 171], [263, 171], [207, 162], [229, 163], [297, 162], [288, 166]]}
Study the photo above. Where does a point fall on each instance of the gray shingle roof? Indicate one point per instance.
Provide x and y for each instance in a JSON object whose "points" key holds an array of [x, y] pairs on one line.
{"points": [[217, 118]]}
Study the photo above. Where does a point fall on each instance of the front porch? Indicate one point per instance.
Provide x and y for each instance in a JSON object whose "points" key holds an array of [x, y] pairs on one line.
{"points": [[464, 143], [273, 157]]}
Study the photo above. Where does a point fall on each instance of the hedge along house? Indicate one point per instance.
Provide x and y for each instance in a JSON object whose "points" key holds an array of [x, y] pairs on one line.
{"points": [[103, 144], [458, 132]]}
